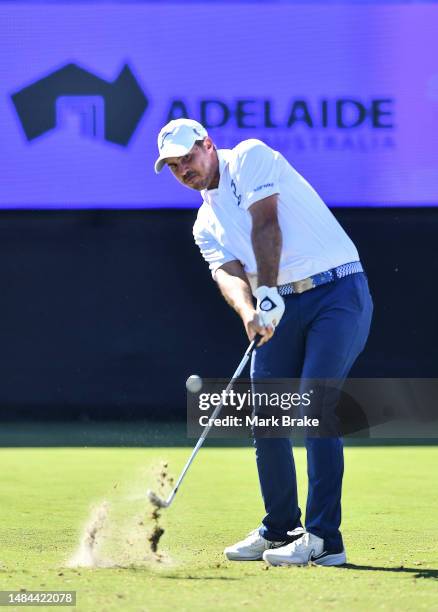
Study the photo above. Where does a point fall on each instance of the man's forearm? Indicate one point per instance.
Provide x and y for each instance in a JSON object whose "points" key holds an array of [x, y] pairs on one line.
{"points": [[235, 288], [266, 242]]}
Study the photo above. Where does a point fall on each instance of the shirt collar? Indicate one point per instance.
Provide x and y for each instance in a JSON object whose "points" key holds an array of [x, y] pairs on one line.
{"points": [[224, 159]]}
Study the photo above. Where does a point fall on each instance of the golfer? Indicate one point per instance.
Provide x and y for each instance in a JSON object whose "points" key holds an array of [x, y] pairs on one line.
{"points": [[266, 234]]}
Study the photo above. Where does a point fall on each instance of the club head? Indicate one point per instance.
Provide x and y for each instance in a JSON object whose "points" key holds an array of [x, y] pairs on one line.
{"points": [[155, 500]]}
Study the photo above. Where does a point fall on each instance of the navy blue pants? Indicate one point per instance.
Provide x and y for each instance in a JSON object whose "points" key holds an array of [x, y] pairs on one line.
{"points": [[319, 336]]}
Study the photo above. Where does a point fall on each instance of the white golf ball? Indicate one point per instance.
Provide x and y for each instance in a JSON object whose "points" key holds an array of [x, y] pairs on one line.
{"points": [[194, 383]]}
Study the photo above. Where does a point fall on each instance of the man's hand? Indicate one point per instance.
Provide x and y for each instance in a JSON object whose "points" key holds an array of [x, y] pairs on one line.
{"points": [[270, 306], [263, 321], [254, 326]]}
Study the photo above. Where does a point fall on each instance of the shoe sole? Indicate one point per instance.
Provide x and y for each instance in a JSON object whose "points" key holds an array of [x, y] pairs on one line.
{"points": [[335, 559], [327, 560], [231, 557]]}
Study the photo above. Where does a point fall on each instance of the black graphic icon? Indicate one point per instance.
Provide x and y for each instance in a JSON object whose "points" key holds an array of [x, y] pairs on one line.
{"points": [[267, 304], [124, 101]]}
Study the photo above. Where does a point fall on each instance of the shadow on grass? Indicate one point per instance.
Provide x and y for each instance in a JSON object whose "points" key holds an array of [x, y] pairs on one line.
{"points": [[417, 572], [198, 577]]}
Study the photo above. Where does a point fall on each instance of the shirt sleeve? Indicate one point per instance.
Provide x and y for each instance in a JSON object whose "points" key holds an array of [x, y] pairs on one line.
{"points": [[258, 174], [213, 253]]}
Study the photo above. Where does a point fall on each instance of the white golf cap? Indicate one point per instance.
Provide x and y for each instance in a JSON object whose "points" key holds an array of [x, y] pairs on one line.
{"points": [[177, 138]]}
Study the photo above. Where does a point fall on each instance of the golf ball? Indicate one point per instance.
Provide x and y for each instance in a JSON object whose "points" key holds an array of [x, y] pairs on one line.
{"points": [[194, 383]]}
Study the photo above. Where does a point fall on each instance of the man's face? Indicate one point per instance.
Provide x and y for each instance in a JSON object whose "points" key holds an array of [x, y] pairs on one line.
{"points": [[199, 168]]}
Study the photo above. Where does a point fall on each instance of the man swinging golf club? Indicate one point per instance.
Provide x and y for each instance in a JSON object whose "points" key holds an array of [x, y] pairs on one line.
{"points": [[266, 233]]}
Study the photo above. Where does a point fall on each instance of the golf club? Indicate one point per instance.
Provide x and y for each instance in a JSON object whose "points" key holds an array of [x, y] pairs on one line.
{"points": [[165, 503]]}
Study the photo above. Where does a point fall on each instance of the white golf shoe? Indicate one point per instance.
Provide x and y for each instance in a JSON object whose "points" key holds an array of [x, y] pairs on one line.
{"points": [[251, 548], [308, 548]]}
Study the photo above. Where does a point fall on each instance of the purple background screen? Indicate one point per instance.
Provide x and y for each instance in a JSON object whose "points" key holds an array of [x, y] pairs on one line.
{"points": [[349, 94]]}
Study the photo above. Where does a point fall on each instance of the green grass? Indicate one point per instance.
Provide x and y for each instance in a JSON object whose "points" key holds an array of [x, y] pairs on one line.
{"points": [[389, 527]]}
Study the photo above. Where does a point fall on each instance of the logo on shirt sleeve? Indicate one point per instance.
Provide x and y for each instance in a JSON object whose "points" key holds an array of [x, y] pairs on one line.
{"points": [[265, 186]]}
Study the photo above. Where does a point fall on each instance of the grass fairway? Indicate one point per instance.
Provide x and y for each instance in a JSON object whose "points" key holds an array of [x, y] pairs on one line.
{"points": [[389, 527]]}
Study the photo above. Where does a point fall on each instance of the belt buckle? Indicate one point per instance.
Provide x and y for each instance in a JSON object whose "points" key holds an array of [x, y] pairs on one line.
{"points": [[303, 285]]}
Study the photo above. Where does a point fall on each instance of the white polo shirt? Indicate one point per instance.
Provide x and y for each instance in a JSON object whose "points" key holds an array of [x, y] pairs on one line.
{"points": [[313, 240]]}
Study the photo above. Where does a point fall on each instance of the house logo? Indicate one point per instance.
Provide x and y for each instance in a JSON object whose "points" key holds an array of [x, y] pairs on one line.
{"points": [[108, 111]]}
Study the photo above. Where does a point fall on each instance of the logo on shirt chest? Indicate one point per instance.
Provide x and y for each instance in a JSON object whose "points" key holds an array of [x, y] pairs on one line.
{"points": [[234, 189]]}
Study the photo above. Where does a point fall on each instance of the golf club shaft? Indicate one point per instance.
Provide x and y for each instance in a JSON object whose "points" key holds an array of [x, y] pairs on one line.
{"points": [[214, 414]]}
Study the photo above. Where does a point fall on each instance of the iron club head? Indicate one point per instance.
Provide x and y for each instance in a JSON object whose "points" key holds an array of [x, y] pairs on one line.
{"points": [[155, 500]]}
